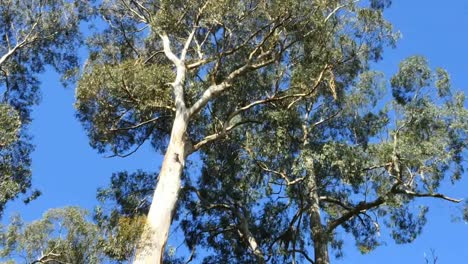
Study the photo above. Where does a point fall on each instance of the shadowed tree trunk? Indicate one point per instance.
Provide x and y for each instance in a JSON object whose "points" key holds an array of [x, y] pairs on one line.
{"points": [[318, 231]]}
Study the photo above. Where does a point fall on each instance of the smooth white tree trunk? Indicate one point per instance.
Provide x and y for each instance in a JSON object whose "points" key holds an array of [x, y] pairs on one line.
{"points": [[165, 196]]}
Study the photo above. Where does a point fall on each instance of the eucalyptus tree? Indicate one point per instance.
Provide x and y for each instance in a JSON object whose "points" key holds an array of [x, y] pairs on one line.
{"points": [[300, 180], [71, 235], [33, 35], [278, 100], [63, 235]]}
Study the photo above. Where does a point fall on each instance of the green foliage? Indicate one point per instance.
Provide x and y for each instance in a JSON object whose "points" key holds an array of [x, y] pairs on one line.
{"points": [[314, 131], [68, 235], [407, 226], [122, 102], [62, 235], [380, 4], [357, 157], [443, 82], [125, 237], [122, 212], [414, 74], [10, 124]]}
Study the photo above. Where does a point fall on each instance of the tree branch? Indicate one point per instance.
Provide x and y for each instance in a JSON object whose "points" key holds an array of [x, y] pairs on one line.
{"points": [[140, 6], [49, 257], [230, 51], [137, 125], [245, 233], [167, 49], [281, 174], [335, 201], [216, 89], [141, 17], [336, 10], [213, 137], [430, 195], [23, 43], [303, 253], [226, 129], [189, 40], [181, 70], [362, 206]]}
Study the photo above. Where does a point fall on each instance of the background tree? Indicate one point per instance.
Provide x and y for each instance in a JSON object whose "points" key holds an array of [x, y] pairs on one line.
{"points": [[290, 124], [33, 35], [61, 236], [69, 235]]}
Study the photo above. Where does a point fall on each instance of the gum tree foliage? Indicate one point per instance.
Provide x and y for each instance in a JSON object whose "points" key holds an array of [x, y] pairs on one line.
{"points": [[122, 212], [299, 141], [69, 235], [33, 34], [62, 236], [368, 166]]}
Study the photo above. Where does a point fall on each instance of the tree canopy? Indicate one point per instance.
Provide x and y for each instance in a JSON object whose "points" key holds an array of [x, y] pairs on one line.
{"points": [[61, 236], [278, 136], [299, 139]]}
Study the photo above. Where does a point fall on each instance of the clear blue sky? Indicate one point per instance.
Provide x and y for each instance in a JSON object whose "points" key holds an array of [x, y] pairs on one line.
{"points": [[68, 171]]}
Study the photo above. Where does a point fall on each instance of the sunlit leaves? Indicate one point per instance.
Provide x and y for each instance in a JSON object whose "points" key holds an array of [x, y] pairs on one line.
{"points": [[122, 211], [433, 118], [62, 235], [120, 242], [120, 104]]}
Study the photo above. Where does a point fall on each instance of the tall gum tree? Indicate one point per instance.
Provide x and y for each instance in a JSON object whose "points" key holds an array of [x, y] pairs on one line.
{"points": [[34, 34], [278, 100]]}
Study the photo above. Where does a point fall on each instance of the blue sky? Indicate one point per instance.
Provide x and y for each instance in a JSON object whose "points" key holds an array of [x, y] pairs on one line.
{"points": [[68, 171]]}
